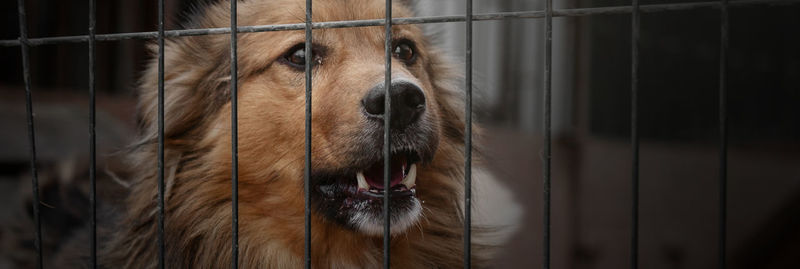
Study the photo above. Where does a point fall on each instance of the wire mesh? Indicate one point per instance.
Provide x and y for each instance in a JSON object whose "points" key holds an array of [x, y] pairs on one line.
{"points": [[26, 76], [92, 139], [723, 133], [234, 140], [468, 140], [387, 117], [635, 27], [546, 158], [161, 254], [307, 173], [24, 42], [573, 12]]}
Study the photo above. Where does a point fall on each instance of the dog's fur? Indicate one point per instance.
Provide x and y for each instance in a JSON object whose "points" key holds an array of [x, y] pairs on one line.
{"points": [[198, 217]]}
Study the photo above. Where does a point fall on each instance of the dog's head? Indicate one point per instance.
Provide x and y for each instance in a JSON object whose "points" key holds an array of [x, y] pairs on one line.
{"points": [[347, 122]]}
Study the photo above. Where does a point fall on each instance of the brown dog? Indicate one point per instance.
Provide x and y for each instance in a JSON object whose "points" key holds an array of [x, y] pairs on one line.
{"points": [[347, 140]]}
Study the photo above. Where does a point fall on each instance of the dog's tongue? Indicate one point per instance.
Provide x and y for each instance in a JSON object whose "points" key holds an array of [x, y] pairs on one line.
{"points": [[374, 174]]}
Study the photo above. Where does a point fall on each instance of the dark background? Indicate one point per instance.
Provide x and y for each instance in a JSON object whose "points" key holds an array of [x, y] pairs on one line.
{"points": [[679, 82]]}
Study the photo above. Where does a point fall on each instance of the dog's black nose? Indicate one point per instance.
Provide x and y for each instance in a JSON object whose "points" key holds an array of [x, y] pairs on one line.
{"points": [[408, 103]]}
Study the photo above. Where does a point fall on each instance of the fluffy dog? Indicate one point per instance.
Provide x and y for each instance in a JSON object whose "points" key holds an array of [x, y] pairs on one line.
{"points": [[347, 141]]}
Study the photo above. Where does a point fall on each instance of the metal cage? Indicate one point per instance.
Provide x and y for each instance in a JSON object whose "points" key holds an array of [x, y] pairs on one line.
{"points": [[635, 9]]}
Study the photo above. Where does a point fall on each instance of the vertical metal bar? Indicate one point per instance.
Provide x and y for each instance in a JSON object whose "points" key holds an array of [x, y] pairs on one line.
{"points": [[548, 47], [635, 135], [468, 142], [387, 115], [307, 174], [26, 76], [723, 132], [92, 137], [234, 139], [161, 134]]}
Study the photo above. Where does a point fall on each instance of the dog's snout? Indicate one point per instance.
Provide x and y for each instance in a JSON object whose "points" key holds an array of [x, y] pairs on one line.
{"points": [[407, 103]]}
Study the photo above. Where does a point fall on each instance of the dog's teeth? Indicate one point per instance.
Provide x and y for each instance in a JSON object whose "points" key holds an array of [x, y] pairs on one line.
{"points": [[362, 182], [411, 178]]}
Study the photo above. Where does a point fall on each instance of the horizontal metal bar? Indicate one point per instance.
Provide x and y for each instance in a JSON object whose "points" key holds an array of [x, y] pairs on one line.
{"points": [[575, 12]]}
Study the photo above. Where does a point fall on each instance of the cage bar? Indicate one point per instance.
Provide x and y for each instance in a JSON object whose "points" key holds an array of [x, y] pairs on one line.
{"points": [[723, 133], [573, 12], [234, 140], [26, 76], [161, 258], [387, 115], [92, 139], [307, 173], [548, 55], [635, 26], [468, 141]]}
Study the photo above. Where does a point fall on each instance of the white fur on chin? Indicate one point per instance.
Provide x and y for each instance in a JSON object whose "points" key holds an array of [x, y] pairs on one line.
{"points": [[372, 224]]}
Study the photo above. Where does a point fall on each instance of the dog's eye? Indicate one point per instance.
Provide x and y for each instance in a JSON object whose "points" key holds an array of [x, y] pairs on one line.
{"points": [[296, 56], [404, 50]]}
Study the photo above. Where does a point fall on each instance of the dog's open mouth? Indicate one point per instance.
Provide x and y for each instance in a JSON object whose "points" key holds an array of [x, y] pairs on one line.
{"points": [[355, 198], [402, 177]]}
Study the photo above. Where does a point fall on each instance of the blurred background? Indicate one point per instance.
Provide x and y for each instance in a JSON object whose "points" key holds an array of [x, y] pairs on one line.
{"points": [[678, 112]]}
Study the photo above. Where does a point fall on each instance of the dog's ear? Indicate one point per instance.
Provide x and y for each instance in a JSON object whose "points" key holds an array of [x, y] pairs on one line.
{"points": [[196, 78]]}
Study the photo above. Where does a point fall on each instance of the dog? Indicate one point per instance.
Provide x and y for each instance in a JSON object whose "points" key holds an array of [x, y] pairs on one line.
{"points": [[347, 128]]}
